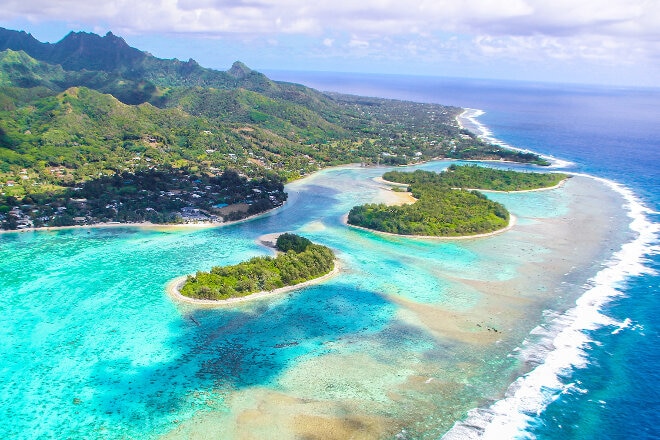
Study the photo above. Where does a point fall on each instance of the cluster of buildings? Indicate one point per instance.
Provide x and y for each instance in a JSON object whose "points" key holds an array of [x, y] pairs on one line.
{"points": [[190, 214], [18, 218]]}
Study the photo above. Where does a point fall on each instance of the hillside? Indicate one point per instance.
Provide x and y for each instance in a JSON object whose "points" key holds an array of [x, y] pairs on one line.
{"points": [[90, 107]]}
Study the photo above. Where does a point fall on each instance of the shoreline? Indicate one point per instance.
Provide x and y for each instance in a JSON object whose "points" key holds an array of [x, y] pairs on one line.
{"points": [[485, 134], [144, 225], [204, 225], [543, 381], [269, 241], [173, 290], [547, 188], [387, 182], [512, 223]]}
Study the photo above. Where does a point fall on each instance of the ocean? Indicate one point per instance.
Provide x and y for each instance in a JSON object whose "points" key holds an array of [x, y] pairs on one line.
{"points": [[613, 133], [548, 331]]}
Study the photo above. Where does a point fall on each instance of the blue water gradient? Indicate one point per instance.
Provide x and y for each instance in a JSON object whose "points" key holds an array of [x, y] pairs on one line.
{"points": [[609, 132], [94, 348]]}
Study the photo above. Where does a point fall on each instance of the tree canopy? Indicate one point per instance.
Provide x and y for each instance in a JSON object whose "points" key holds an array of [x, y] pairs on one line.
{"points": [[478, 177], [292, 242], [444, 207], [258, 274]]}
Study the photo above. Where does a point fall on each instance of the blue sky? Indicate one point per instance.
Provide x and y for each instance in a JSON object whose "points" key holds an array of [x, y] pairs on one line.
{"points": [[584, 41]]}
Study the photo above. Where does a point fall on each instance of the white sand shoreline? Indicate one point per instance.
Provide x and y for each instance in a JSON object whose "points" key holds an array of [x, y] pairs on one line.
{"points": [[174, 286], [203, 225], [547, 188], [390, 183], [484, 133], [145, 225], [512, 223]]}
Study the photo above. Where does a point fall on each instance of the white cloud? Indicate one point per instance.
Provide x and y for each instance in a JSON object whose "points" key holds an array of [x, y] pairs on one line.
{"points": [[360, 44], [623, 17], [612, 30]]}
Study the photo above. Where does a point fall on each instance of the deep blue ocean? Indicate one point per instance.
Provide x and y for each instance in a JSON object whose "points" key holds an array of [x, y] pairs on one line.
{"points": [[612, 133]]}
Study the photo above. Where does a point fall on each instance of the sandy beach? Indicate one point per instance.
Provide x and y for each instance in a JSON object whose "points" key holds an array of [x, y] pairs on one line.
{"points": [[405, 185], [512, 223], [146, 225], [547, 188], [269, 240]]}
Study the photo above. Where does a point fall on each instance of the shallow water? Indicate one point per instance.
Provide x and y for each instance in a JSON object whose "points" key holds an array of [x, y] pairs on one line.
{"points": [[411, 335], [608, 383]]}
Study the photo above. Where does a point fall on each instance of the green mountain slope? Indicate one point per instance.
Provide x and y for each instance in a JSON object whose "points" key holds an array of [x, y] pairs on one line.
{"points": [[89, 107]]}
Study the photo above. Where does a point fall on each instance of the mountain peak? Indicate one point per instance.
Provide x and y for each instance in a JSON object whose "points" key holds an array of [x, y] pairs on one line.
{"points": [[92, 37], [239, 70], [85, 50], [20, 40]]}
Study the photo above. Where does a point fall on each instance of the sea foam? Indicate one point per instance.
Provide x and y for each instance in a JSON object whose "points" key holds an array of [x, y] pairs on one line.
{"points": [[560, 345], [469, 120]]}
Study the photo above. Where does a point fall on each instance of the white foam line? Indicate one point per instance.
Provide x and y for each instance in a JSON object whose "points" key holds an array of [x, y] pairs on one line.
{"points": [[564, 346], [471, 115]]}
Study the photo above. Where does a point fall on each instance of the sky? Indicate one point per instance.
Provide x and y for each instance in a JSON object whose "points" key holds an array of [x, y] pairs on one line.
{"points": [[613, 42]]}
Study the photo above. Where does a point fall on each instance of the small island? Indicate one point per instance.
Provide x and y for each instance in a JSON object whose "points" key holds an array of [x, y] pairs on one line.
{"points": [[478, 177], [298, 262], [448, 203]]}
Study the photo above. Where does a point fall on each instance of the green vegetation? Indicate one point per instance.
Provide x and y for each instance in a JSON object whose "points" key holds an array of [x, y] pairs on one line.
{"points": [[170, 196], [437, 212], [300, 260], [292, 242], [88, 108], [443, 208], [477, 177]]}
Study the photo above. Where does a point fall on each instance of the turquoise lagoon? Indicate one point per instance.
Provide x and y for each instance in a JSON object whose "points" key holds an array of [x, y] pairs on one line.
{"points": [[404, 341]]}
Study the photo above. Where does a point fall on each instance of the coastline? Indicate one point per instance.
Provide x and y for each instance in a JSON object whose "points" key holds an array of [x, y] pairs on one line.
{"points": [[173, 290], [505, 313], [387, 182], [512, 223], [547, 188], [145, 225], [406, 197], [269, 240], [471, 114], [566, 330], [304, 366]]}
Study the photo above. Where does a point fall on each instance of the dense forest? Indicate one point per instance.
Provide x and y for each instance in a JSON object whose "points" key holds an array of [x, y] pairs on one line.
{"points": [[299, 260], [89, 107], [437, 212], [444, 208], [478, 177]]}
